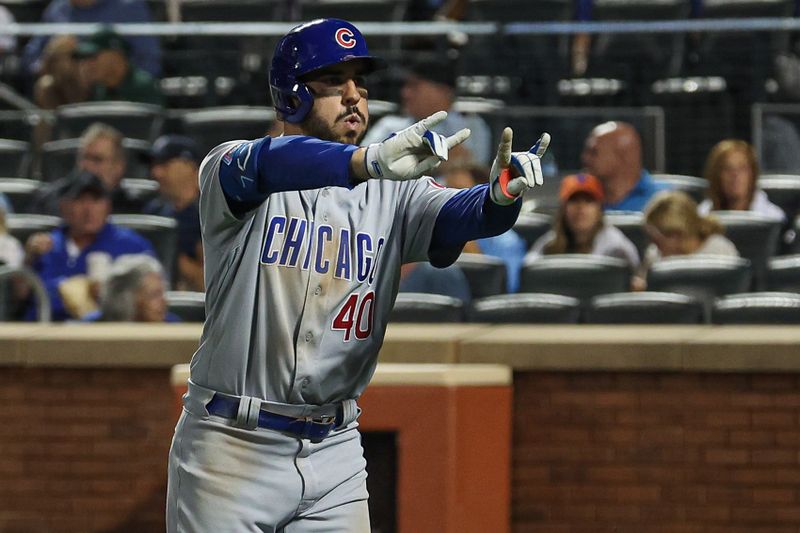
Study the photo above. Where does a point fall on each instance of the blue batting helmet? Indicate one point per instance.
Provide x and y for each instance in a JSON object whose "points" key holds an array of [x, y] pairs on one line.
{"points": [[306, 48]]}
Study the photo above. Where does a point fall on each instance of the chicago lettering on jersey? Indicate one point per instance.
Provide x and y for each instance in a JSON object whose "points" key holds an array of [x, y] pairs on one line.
{"points": [[296, 242]]}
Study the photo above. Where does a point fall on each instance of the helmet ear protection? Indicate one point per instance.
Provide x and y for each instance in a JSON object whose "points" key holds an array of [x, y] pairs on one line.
{"points": [[306, 48]]}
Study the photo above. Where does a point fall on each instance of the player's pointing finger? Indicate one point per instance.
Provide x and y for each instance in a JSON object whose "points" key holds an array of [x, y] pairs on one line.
{"points": [[541, 145], [431, 121], [458, 137], [504, 149]]}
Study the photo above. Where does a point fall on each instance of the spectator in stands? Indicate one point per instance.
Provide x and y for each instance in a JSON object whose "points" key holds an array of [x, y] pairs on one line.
{"points": [[175, 162], [62, 257], [732, 170], [429, 87], [101, 153], [613, 153], [509, 246], [133, 292], [59, 82], [676, 228], [422, 277], [579, 227], [106, 68], [146, 50], [11, 252]]}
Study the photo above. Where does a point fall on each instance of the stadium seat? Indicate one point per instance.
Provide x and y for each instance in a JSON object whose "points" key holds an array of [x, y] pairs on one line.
{"points": [[133, 119], [20, 192], [189, 306], [782, 190], [542, 59], [757, 308], [59, 158], [141, 190], [698, 111], [644, 308], [213, 126], [17, 125], [581, 276], [13, 309], [24, 225], [631, 223], [526, 308], [14, 158], [704, 277], [26, 10], [162, 232], [636, 58], [427, 308], [531, 226], [691, 185], [783, 273], [485, 274], [755, 236]]}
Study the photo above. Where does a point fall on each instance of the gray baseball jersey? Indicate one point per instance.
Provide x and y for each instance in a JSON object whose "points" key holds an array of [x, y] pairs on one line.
{"points": [[300, 289]]}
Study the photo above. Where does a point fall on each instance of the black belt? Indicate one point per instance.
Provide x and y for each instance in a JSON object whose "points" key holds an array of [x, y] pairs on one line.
{"points": [[314, 429]]}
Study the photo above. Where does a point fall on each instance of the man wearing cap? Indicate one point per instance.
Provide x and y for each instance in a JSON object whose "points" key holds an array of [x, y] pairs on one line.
{"points": [[71, 257], [430, 86], [106, 68], [579, 227], [174, 164]]}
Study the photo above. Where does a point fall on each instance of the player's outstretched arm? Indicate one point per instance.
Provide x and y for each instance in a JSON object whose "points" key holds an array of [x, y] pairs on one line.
{"points": [[487, 209], [513, 173], [408, 154]]}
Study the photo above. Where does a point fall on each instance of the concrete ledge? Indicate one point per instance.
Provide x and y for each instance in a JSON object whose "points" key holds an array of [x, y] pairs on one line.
{"points": [[426, 343], [564, 348], [401, 374]]}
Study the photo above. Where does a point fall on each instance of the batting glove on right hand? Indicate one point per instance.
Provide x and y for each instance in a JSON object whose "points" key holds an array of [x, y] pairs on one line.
{"points": [[413, 151], [513, 173]]}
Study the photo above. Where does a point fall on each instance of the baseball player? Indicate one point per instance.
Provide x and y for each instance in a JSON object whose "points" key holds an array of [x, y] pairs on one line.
{"points": [[303, 237]]}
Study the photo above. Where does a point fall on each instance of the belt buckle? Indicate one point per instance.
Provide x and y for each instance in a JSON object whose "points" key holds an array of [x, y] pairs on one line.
{"points": [[320, 420]]}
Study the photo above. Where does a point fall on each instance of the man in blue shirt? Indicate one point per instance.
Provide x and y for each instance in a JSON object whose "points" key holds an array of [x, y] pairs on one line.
{"points": [[70, 256], [613, 153], [146, 50], [175, 161]]}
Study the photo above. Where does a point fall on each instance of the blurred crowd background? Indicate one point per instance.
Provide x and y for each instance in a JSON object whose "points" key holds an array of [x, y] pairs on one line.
{"points": [[672, 183]]}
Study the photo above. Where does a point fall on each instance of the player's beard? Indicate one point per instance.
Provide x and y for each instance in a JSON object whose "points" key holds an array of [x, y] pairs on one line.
{"points": [[317, 127]]}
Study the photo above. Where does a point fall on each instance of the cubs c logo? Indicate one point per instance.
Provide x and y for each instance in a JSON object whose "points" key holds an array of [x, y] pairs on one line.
{"points": [[345, 38]]}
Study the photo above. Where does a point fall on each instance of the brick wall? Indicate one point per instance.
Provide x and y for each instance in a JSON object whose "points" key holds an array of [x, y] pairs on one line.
{"points": [[84, 450], [671, 453]]}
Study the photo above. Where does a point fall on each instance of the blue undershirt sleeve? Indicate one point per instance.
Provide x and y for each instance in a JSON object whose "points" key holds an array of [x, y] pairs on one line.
{"points": [[470, 214], [253, 170]]}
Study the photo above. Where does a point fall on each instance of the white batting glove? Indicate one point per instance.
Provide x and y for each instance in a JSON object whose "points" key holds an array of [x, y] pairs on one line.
{"points": [[513, 173], [411, 152]]}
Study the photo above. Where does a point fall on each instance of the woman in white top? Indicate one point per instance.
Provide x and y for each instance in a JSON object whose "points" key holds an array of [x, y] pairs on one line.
{"points": [[731, 170], [675, 227], [579, 227]]}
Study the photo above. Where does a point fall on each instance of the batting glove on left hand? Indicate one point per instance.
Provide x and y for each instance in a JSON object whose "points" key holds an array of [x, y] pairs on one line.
{"points": [[515, 172], [413, 151]]}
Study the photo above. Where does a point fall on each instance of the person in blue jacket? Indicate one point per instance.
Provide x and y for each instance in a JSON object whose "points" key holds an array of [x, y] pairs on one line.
{"points": [[71, 258]]}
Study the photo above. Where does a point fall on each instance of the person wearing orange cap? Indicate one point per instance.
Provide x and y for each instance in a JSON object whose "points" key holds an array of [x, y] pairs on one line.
{"points": [[579, 227]]}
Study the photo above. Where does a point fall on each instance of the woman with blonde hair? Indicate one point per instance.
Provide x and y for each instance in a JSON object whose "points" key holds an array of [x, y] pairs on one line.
{"points": [[675, 227], [732, 170]]}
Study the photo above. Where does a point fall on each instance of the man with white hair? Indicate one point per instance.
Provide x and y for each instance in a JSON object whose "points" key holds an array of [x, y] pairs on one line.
{"points": [[134, 291]]}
